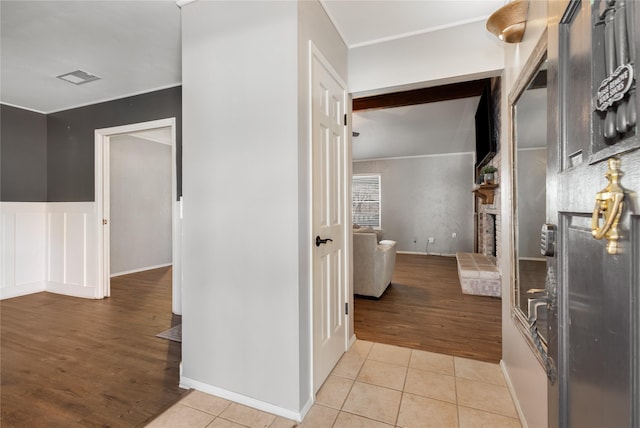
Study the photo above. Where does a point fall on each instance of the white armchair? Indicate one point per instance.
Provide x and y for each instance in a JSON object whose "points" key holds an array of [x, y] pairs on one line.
{"points": [[373, 263]]}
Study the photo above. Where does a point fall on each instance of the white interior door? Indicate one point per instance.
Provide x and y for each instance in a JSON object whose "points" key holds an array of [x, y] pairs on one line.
{"points": [[329, 156]]}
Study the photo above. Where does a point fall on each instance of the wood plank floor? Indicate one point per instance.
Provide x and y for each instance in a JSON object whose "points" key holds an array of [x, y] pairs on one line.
{"points": [[424, 308], [69, 362]]}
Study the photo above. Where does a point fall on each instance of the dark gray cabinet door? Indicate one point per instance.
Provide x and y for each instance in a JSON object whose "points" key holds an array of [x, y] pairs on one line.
{"points": [[594, 333]]}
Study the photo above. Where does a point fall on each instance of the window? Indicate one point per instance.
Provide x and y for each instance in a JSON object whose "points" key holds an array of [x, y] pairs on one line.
{"points": [[365, 194]]}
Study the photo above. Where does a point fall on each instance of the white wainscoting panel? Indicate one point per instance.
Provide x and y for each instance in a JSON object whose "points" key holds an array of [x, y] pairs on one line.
{"points": [[48, 247], [71, 252], [23, 248], [55, 265]]}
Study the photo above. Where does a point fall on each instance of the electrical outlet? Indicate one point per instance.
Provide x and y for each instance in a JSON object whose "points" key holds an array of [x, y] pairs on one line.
{"points": [[453, 235], [431, 240]]}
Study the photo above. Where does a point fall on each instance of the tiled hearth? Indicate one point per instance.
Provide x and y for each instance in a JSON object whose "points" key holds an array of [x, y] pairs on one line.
{"points": [[478, 274]]}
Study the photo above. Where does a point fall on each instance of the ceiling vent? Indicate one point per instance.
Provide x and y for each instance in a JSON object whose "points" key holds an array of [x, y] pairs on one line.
{"points": [[78, 77]]}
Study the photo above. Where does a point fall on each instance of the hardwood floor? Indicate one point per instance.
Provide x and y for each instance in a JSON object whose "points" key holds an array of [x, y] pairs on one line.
{"points": [[69, 362], [424, 308]]}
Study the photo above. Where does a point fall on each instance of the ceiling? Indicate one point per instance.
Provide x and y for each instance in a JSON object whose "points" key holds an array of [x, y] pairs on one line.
{"points": [[134, 46], [423, 129], [362, 22]]}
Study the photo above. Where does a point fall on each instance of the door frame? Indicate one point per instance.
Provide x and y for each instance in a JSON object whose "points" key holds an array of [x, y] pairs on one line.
{"points": [[102, 192], [316, 54]]}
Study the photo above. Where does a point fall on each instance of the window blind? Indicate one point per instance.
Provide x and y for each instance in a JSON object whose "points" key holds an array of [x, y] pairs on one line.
{"points": [[365, 191]]}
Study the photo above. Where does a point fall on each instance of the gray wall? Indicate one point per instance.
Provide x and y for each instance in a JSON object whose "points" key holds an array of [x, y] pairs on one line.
{"points": [[426, 197], [140, 204], [531, 200], [23, 155], [70, 155]]}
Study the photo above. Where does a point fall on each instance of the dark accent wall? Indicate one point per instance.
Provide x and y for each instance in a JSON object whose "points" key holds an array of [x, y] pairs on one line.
{"points": [[23, 155], [71, 140]]}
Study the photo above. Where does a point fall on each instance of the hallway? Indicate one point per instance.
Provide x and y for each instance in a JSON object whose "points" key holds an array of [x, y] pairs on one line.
{"points": [[376, 386]]}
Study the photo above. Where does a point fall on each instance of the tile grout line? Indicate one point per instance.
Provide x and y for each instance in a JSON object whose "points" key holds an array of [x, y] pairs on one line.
{"points": [[404, 385], [455, 387], [353, 382]]}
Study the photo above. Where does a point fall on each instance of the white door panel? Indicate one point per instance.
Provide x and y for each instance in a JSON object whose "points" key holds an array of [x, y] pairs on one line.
{"points": [[329, 278]]}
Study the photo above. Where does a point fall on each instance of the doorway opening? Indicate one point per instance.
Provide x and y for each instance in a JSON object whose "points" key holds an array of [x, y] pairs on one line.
{"points": [[136, 186]]}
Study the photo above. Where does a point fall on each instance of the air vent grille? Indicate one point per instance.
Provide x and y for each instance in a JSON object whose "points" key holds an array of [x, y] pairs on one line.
{"points": [[78, 77]]}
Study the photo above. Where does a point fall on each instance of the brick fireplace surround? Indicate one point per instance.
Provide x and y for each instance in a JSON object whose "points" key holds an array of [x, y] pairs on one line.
{"points": [[478, 272]]}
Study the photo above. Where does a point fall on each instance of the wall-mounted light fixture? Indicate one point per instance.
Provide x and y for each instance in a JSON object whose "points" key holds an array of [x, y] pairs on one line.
{"points": [[509, 22]]}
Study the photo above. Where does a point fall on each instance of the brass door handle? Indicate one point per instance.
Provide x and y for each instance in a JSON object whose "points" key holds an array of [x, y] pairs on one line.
{"points": [[609, 203]]}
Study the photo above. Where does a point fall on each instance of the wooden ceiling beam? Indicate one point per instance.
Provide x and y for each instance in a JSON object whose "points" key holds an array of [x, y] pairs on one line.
{"points": [[433, 94]]}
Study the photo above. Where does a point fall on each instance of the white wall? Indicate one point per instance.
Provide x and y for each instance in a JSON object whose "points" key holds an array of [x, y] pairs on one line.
{"points": [[438, 57], [48, 247], [246, 278], [524, 372], [140, 204], [427, 196]]}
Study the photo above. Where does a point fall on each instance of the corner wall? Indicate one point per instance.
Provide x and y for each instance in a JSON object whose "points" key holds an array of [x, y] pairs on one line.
{"points": [[524, 372], [241, 271]]}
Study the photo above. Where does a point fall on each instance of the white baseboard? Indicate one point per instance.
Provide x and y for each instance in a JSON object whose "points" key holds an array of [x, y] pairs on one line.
{"points": [[421, 253], [352, 340], [185, 382], [22, 290], [71, 290], [512, 391], [127, 272], [305, 409]]}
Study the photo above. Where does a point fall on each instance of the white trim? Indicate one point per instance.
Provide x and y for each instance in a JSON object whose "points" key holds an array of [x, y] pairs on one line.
{"points": [[181, 3], [186, 383], [422, 253], [74, 290], [22, 290], [118, 97], [533, 259], [102, 137], [305, 409], [438, 155], [22, 108], [418, 32], [127, 272], [514, 397], [531, 149], [352, 340]]}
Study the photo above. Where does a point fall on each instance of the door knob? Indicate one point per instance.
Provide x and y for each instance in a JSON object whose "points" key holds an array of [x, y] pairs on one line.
{"points": [[320, 241]]}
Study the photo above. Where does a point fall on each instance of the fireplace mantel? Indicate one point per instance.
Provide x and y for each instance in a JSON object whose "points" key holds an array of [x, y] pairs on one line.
{"points": [[486, 192]]}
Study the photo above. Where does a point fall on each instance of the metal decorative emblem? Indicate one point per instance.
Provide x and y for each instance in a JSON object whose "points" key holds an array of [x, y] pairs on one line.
{"points": [[615, 96], [615, 87]]}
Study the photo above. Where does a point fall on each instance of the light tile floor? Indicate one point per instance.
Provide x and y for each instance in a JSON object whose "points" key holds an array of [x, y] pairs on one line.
{"points": [[376, 385]]}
